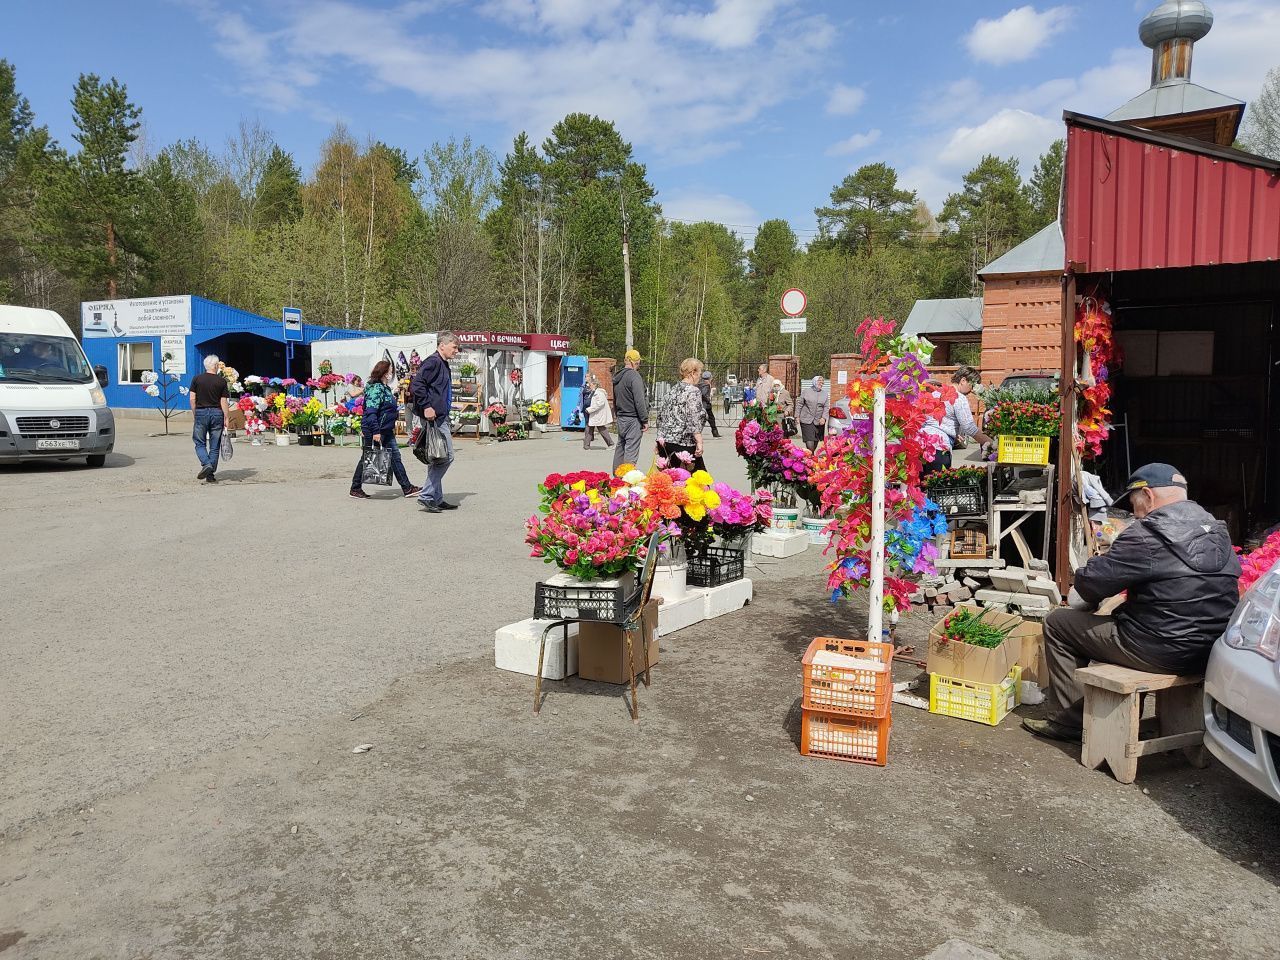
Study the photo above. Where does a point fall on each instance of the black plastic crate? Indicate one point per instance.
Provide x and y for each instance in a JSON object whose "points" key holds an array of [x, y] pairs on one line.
{"points": [[960, 500], [555, 602], [716, 567]]}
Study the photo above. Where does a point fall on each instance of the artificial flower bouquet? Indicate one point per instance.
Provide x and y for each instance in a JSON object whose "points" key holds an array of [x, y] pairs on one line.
{"points": [[1023, 418], [496, 412], [956, 477], [592, 526], [306, 414], [540, 409]]}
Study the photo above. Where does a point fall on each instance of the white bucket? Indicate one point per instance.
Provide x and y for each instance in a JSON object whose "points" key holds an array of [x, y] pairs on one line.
{"points": [[671, 581], [816, 528], [785, 518]]}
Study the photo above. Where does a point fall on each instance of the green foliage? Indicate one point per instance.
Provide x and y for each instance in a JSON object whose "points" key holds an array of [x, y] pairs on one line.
{"points": [[279, 192], [972, 627], [1045, 185], [989, 215], [1261, 130], [869, 210]]}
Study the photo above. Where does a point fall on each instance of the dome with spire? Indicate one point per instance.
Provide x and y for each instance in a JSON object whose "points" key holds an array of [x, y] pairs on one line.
{"points": [[1176, 20]]}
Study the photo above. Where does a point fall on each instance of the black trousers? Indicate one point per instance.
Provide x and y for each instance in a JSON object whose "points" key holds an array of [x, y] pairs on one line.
{"points": [[669, 450]]}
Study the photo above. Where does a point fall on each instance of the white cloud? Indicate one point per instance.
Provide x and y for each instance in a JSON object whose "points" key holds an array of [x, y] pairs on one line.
{"points": [[1009, 133], [845, 100], [1018, 35], [698, 205], [677, 83], [853, 144]]}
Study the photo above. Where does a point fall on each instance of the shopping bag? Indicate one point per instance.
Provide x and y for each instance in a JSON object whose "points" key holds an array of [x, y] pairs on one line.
{"points": [[437, 444], [420, 445], [375, 466], [789, 428], [226, 450]]}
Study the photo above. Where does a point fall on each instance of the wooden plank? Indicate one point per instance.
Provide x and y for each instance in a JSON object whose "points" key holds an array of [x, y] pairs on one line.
{"points": [[1110, 726], [1118, 679], [1163, 744]]}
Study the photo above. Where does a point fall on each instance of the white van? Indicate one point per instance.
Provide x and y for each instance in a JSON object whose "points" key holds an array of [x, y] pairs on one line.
{"points": [[51, 400]]}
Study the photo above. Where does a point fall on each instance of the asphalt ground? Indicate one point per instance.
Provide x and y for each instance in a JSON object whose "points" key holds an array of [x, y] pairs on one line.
{"points": [[188, 667]]}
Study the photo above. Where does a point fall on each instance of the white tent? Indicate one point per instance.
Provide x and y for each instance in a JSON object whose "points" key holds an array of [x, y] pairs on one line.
{"points": [[359, 356]]}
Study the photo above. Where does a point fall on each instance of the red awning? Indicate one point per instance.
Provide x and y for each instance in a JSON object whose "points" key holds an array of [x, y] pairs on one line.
{"points": [[1138, 200]]}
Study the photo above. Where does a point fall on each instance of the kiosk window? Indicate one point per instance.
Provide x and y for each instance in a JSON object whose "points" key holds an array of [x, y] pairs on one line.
{"points": [[135, 360]]}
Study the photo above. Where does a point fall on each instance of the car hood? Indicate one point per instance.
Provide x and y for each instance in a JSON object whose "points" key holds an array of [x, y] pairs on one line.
{"points": [[45, 396]]}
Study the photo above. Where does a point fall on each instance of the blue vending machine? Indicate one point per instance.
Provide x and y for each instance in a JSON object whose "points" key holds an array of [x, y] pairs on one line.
{"points": [[573, 377]]}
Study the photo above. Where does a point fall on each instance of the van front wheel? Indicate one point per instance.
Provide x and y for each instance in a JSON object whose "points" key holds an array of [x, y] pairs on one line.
{"points": [[96, 459]]}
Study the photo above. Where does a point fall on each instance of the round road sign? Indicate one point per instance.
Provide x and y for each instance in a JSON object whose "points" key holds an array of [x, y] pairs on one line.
{"points": [[794, 302]]}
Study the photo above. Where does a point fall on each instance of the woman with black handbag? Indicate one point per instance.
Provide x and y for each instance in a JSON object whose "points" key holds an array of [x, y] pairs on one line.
{"points": [[378, 433], [681, 418]]}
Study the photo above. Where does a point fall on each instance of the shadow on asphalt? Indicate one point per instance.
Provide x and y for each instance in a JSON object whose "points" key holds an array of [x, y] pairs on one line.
{"points": [[237, 476], [114, 461]]}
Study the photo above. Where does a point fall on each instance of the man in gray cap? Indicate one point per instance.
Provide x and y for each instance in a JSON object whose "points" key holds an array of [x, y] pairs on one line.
{"points": [[1178, 566]]}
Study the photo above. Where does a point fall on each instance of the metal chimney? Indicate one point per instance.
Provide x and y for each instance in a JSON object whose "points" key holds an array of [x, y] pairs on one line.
{"points": [[1171, 30]]}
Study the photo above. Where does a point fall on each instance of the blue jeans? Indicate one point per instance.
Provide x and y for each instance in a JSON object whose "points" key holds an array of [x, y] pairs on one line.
{"points": [[207, 435], [397, 465], [433, 486]]}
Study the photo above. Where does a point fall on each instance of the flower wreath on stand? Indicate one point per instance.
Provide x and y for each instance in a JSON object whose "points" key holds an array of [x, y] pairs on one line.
{"points": [[841, 470]]}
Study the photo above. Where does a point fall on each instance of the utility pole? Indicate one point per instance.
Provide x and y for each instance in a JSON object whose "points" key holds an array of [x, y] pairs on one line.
{"points": [[626, 263]]}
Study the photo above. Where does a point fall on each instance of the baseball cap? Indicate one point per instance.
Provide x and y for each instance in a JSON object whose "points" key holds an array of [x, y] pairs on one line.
{"points": [[632, 356], [1152, 475], [706, 374]]}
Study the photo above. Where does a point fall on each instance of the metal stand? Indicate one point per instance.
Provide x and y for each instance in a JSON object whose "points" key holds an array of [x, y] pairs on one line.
{"points": [[1006, 519]]}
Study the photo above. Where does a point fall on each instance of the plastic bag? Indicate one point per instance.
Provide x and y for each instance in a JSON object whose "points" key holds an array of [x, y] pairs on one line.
{"points": [[437, 444], [226, 451], [375, 466]]}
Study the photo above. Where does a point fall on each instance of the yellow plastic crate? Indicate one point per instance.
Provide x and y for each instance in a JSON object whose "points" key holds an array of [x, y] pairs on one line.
{"points": [[987, 703], [1028, 451]]}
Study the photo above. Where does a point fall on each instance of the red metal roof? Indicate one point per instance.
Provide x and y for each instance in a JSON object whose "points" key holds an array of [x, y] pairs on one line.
{"points": [[1137, 200]]}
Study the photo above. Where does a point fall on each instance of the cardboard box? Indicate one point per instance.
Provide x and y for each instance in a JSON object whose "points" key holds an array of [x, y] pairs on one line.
{"points": [[1030, 637], [602, 649], [963, 661]]}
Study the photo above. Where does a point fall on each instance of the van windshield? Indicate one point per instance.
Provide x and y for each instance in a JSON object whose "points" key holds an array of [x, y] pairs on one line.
{"points": [[33, 358]]}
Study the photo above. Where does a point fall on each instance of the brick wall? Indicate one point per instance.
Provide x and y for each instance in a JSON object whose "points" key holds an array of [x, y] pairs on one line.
{"points": [[1021, 325]]}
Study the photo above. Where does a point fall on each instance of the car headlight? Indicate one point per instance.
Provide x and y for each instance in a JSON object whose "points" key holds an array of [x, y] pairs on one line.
{"points": [[98, 397], [1256, 623]]}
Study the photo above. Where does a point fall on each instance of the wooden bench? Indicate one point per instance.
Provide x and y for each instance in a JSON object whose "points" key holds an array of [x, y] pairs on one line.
{"points": [[1113, 707]]}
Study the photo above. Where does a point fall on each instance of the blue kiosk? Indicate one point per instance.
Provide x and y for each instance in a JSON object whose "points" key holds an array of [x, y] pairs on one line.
{"points": [[573, 378]]}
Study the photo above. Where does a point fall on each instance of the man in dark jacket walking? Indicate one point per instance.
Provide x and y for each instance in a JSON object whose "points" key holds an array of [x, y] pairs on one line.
{"points": [[705, 388], [1180, 571], [631, 410], [432, 390]]}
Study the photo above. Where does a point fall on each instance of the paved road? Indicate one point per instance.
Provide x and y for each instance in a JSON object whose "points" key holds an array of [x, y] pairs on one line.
{"points": [[150, 619]]}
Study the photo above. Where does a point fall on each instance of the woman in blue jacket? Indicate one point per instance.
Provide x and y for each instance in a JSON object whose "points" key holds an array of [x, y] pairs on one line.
{"points": [[378, 426]]}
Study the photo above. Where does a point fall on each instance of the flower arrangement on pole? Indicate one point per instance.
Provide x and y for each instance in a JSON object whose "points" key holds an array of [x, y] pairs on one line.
{"points": [[841, 470], [1094, 334]]}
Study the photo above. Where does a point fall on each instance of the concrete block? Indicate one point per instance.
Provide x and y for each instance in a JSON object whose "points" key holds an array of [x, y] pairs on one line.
{"points": [[726, 598], [971, 583], [678, 614], [1047, 589], [1011, 580], [960, 594], [1039, 566], [971, 565], [515, 648], [780, 543]]}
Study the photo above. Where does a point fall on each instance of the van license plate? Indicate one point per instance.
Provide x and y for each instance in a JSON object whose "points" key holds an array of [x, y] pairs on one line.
{"points": [[57, 444]]}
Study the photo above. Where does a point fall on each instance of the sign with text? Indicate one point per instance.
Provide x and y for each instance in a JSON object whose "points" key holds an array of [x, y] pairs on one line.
{"points": [[544, 342], [794, 324], [293, 324], [143, 317], [176, 348]]}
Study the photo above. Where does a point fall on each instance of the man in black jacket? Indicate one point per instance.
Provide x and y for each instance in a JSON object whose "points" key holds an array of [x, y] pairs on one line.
{"points": [[432, 391], [1180, 571]]}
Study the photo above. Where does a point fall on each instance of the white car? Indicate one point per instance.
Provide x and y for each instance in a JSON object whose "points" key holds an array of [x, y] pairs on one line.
{"points": [[1242, 689]]}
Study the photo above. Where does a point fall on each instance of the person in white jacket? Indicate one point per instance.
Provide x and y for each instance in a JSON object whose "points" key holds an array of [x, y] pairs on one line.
{"points": [[599, 416]]}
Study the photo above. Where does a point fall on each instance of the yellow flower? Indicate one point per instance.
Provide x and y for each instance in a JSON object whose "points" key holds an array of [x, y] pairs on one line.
{"points": [[580, 486], [700, 478], [695, 511], [695, 495], [710, 499]]}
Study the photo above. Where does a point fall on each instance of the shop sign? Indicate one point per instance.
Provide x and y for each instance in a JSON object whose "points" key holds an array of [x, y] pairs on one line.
{"points": [[546, 342], [143, 317]]}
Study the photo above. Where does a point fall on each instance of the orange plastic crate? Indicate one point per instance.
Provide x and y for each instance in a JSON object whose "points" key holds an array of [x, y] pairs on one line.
{"points": [[856, 692], [836, 736]]}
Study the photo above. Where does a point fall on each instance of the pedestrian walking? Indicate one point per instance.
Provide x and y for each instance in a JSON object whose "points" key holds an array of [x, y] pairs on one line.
{"points": [[764, 383], [209, 410], [813, 413], [631, 404], [727, 392], [378, 429], [781, 399], [682, 417], [599, 416], [432, 390], [705, 388]]}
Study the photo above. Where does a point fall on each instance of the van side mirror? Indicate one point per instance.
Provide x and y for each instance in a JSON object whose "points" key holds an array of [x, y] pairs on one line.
{"points": [[101, 373]]}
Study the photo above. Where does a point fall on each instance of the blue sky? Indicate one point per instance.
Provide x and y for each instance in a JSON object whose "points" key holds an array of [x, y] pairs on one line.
{"points": [[742, 109]]}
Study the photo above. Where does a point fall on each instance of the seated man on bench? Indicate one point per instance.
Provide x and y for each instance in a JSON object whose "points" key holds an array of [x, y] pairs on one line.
{"points": [[1181, 573]]}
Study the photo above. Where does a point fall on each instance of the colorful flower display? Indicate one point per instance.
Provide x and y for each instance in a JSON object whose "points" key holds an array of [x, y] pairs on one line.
{"points": [[1258, 561], [841, 470], [1023, 418], [1094, 335]]}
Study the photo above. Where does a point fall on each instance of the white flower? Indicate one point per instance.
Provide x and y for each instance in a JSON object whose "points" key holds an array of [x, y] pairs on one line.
{"points": [[235, 386], [184, 391], [174, 377], [633, 477], [153, 391], [150, 376]]}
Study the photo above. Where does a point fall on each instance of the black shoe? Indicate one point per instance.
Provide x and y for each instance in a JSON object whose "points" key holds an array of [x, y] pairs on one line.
{"points": [[431, 508], [1053, 730], [211, 478], [446, 505], [715, 435], [358, 495], [203, 474]]}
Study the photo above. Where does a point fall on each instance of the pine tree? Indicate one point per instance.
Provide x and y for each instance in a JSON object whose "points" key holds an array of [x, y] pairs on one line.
{"points": [[868, 210], [279, 193], [1045, 185], [89, 211], [989, 216]]}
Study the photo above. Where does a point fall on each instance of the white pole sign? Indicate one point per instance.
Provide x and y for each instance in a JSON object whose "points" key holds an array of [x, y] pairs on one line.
{"points": [[794, 325]]}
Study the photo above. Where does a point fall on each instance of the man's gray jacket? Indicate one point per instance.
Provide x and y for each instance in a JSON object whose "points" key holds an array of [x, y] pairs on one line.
{"points": [[629, 400], [1181, 574]]}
